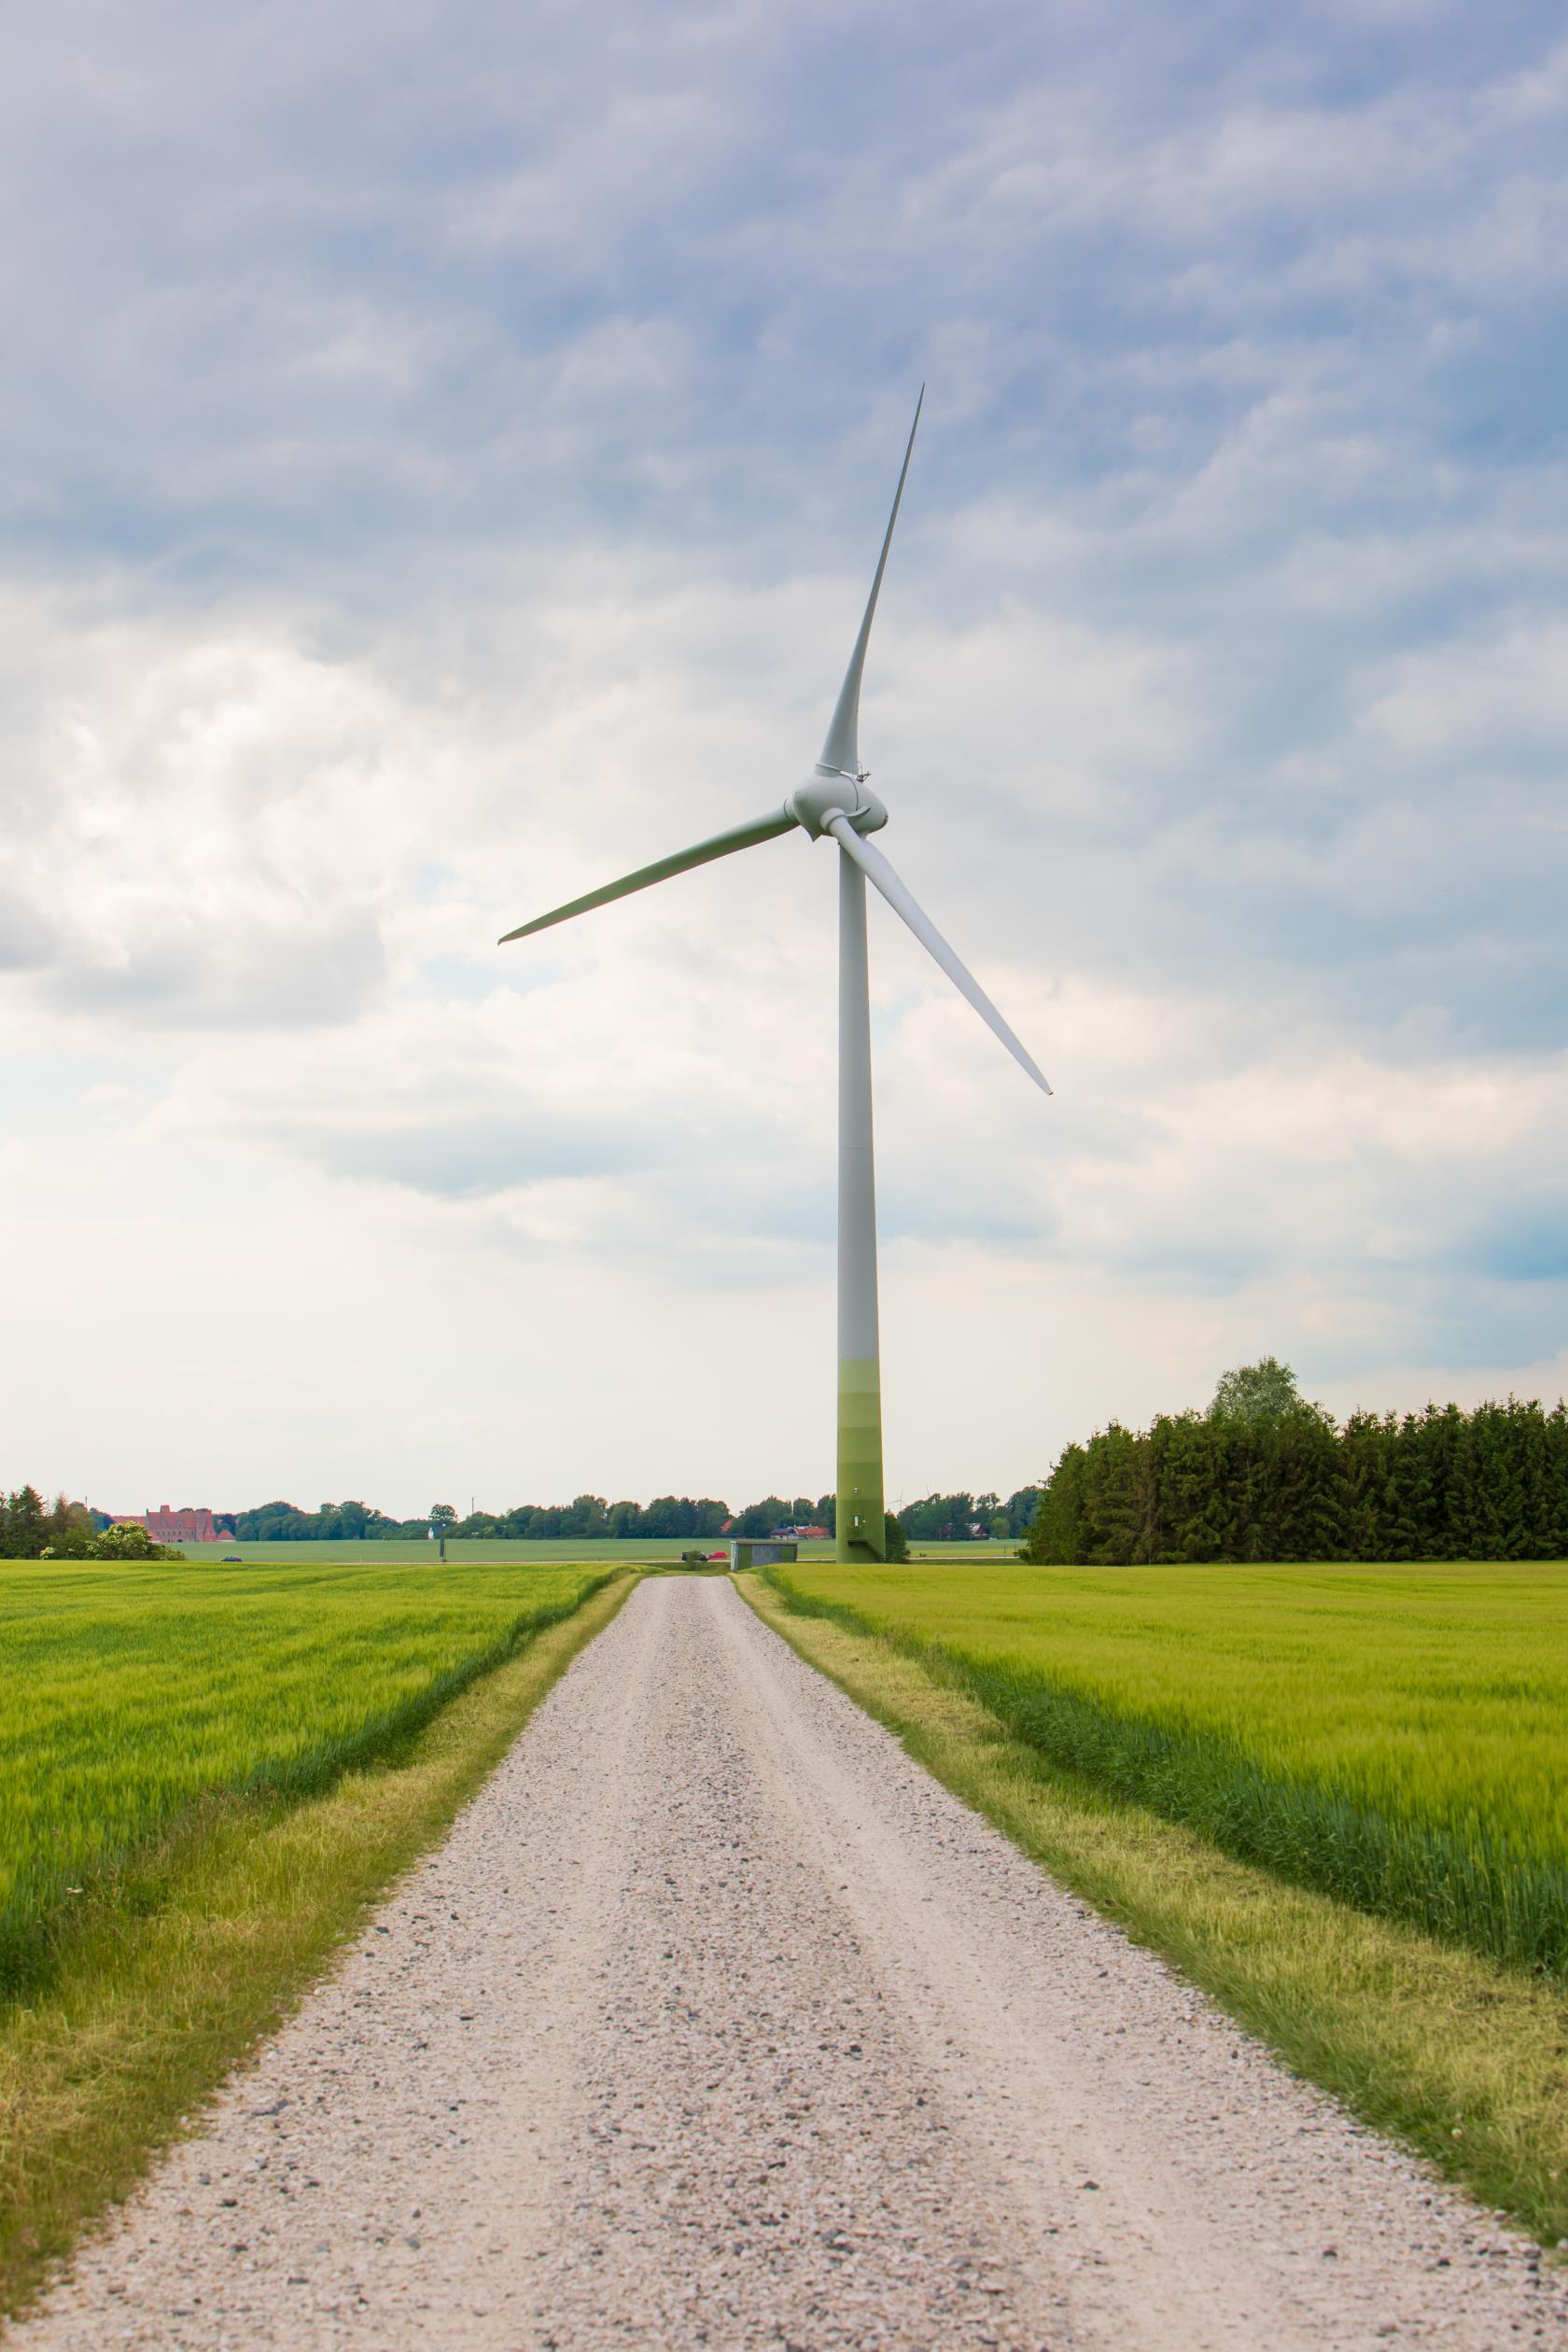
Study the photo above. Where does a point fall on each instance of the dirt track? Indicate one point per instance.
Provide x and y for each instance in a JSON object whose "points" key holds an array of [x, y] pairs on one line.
{"points": [[717, 2022]]}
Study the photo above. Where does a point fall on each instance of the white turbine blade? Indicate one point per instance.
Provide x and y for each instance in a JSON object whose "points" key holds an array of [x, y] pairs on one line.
{"points": [[721, 845], [841, 751], [877, 871]]}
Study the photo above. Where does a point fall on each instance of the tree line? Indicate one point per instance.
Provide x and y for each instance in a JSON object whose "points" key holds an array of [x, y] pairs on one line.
{"points": [[943, 1517], [1263, 1475], [28, 1527], [591, 1517]]}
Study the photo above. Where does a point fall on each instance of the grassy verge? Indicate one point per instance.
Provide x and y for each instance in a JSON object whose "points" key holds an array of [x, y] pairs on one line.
{"points": [[1465, 2061], [167, 1984]]}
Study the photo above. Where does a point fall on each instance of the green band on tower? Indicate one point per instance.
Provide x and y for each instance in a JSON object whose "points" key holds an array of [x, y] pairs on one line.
{"points": [[861, 1532]]}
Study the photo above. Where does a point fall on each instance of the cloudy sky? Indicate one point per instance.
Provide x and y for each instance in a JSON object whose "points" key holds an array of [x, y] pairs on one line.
{"points": [[446, 451]]}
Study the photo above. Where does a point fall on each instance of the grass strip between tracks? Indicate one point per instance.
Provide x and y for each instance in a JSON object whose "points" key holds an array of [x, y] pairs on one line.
{"points": [[159, 1997], [1464, 2061]]}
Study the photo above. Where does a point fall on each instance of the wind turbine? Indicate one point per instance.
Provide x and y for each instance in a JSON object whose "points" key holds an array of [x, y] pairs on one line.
{"points": [[835, 803]]}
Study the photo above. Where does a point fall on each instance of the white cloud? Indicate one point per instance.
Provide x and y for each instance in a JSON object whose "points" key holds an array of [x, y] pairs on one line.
{"points": [[1481, 702]]}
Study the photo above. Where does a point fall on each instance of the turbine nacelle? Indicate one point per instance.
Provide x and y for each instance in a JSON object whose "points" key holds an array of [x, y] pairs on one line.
{"points": [[835, 791]]}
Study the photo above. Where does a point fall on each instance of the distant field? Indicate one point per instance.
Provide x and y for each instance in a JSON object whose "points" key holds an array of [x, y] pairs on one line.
{"points": [[458, 1553], [131, 1695], [1396, 1735], [995, 1548]]}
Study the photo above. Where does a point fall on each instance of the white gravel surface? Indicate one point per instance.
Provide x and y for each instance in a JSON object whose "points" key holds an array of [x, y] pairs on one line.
{"points": [[716, 2020]]}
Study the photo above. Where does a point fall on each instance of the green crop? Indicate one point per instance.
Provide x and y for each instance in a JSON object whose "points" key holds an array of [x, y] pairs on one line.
{"points": [[1397, 1735], [131, 1696]]}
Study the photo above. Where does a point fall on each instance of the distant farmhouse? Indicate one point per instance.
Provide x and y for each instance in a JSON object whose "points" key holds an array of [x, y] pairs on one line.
{"points": [[165, 1526]]}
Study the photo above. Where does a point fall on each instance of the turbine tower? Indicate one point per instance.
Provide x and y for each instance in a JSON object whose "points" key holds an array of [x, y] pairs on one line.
{"points": [[835, 804]]}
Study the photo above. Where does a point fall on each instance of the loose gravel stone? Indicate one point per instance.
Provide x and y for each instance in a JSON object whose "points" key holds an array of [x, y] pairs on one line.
{"points": [[717, 2022]]}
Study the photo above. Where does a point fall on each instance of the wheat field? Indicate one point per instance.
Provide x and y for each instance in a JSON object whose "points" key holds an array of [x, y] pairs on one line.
{"points": [[134, 1698], [1397, 1735]]}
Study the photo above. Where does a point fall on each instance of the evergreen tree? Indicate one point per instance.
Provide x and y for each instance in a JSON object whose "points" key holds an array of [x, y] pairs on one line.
{"points": [[1493, 1499], [1180, 1469], [1111, 1496], [1056, 1532], [1529, 1500], [1442, 1438], [1361, 1447], [1554, 1499], [24, 1528]]}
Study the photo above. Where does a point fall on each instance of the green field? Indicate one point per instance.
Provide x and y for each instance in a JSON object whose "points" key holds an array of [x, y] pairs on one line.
{"points": [[133, 1697], [1396, 1736]]}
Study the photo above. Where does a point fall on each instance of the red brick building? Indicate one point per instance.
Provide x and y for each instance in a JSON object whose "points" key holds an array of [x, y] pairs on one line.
{"points": [[165, 1526]]}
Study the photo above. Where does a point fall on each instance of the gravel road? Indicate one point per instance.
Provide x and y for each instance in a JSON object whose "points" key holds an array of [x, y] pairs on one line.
{"points": [[717, 2022]]}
